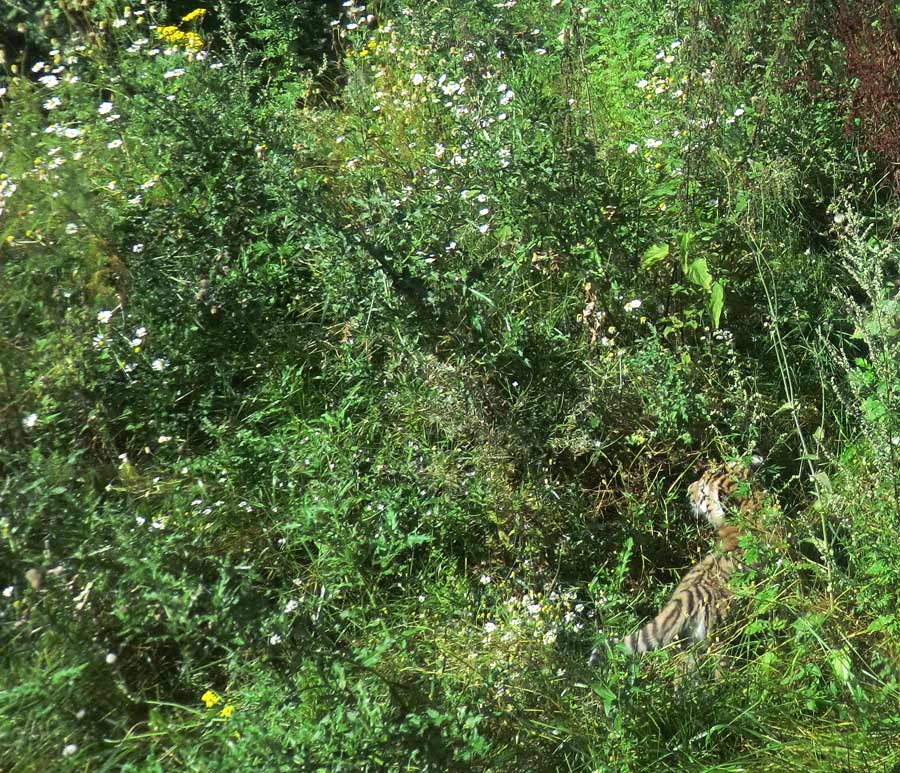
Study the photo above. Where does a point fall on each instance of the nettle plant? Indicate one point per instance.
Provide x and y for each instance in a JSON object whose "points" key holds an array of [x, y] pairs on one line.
{"points": [[873, 374]]}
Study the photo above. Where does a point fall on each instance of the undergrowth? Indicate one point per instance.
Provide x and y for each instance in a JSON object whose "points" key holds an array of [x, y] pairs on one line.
{"points": [[355, 363]]}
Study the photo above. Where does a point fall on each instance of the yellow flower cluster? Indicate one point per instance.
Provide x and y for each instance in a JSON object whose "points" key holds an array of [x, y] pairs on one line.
{"points": [[210, 699], [193, 14], [370, 47], [190, 40]]}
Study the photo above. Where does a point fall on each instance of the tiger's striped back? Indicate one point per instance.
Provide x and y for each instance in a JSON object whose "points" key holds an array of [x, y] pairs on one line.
{"points": [[699, 603]]}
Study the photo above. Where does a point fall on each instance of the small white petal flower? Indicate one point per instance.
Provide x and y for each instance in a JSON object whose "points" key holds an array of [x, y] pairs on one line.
{"points": [[141, 332], [8, 591], [633, 305], [274, 639], [632, 148], [105, 107], [490, 627], [69, 749], [116, 143], [642, 84], [139, 247], [176, 73], [30, 420], [111, 658], [71, 228], [159, 364], [103, 317], [418, 79]]}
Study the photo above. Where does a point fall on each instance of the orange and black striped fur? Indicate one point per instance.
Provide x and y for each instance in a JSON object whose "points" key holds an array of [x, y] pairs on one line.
{"points": [[702, 598], [699, 603], [706, 492]]}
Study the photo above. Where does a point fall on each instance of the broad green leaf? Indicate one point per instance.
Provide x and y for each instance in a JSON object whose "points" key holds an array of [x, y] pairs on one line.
{"points": [[698, 273], [716, 302], [840, 664], [874, 409], [687, 239], [654, 254]]}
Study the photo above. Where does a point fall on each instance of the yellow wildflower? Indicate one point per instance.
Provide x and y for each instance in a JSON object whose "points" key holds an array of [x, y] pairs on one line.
{"points": [[227, 711], [168, 32], [210, 699], [193, 14], [192, 41]]}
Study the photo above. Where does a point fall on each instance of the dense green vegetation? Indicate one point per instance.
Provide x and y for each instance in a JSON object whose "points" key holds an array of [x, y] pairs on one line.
{"points": [[355, 362]]}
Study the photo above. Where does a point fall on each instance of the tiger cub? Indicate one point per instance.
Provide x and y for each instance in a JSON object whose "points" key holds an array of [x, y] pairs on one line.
{"points": [[703, 597]]}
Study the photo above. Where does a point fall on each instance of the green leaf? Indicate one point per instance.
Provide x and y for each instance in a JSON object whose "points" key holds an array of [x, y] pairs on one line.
{"points": [[840, 664], [687, 239], [880, 623], [874, 409], [654, 255], [698, 273], [716, 302]]}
